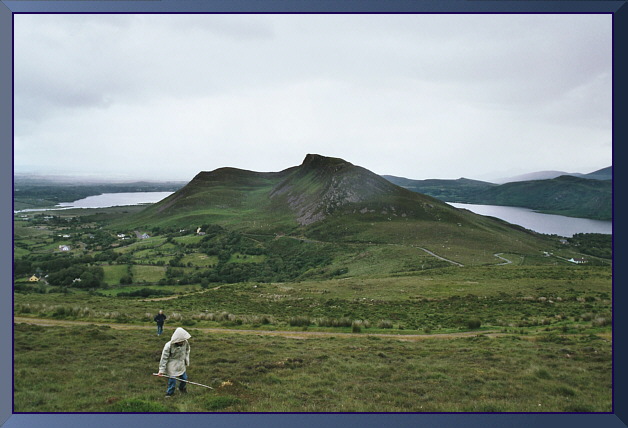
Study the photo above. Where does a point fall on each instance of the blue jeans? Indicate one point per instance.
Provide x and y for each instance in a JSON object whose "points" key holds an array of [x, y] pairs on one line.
{"points": [[172, 383], [160, 329]]}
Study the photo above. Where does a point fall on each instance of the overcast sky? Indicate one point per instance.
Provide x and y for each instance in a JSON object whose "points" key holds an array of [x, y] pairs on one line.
{"points": [[418, 96]]}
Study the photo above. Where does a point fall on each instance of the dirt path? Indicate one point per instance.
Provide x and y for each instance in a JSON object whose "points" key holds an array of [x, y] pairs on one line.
{"points": [[176, 296], [287, 334]]}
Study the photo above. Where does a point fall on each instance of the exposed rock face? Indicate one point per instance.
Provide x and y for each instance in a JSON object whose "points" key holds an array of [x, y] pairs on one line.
{"points": [[322, 185]]}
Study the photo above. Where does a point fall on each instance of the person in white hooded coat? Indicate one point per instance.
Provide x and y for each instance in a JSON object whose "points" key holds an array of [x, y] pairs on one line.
{"points": [[174, 359]]}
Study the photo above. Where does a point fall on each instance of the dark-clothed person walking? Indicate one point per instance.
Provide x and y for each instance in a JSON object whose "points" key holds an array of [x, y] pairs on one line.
{"points": [[160, 318]]}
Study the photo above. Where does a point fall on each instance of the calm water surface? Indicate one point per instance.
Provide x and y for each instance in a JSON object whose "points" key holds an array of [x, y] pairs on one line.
{"points": [[116, 199], [543, 223], [107, 200]]}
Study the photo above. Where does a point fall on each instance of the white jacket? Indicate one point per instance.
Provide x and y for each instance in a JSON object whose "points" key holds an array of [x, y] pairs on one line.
{"points": [[174, 358]]}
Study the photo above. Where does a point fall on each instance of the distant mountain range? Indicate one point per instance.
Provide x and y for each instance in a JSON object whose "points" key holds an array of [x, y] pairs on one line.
{"points": [[445, 190], [576, 195], [602, 174]]}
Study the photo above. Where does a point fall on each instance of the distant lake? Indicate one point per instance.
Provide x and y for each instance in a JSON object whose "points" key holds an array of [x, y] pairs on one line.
{"points": [[116, 200], [107, 200], [543, 223]]}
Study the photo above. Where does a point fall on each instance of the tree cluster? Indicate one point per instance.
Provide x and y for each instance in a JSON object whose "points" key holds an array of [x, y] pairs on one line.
{"points": [[595, 244]]}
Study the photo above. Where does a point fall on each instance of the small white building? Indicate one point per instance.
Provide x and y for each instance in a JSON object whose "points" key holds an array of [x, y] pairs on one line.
{"points": [[64, 248], [577, 261]]}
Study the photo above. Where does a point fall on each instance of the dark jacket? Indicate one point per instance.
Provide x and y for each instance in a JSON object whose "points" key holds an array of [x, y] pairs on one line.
{"points": [[160, 318]]}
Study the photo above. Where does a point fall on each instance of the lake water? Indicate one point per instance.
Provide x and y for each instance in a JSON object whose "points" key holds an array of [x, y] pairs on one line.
{"points": [[107, 200], [116, 199], [543, 223]]}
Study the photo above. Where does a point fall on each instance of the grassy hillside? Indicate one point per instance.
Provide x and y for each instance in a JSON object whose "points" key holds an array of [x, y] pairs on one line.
{"points": [[332, 201], [445, 190], [602, 174], [227, 196], [565, 195]]}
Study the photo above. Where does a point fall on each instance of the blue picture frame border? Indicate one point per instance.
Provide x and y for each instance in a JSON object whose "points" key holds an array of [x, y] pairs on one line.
{"points": [[8, 9]]}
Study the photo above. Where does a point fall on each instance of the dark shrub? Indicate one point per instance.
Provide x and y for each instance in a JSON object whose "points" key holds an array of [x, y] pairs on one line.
{"points": [[300, 321], [474, 323]]}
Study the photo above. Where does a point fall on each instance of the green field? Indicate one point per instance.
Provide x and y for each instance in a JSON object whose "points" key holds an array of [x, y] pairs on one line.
{"points": [[113, 273], [150, 274], [199, 259]]}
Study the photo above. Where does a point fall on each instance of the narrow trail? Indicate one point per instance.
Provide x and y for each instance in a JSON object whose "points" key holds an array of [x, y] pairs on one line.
{"points": [[176, 296], [286, 334]]}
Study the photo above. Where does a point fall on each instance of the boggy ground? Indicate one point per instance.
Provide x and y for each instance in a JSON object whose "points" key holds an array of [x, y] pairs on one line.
{"points": [[97, 368]]}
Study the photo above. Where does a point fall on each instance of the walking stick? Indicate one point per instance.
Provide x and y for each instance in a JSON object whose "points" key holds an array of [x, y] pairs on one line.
{"points": [[179, 379]]}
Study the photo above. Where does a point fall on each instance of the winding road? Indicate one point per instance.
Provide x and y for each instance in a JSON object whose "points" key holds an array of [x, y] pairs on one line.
{"points": [[441, 258], [506, 261]]}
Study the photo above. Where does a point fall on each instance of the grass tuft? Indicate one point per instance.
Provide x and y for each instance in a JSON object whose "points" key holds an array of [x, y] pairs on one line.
{"points": [[220, 402], [135, 405]]}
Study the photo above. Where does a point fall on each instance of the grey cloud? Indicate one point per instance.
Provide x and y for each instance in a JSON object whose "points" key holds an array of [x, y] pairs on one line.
{"points": [[226, 86], [233, 27]]}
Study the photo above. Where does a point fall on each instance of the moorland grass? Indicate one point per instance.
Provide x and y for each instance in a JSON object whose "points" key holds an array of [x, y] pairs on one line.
{"points": [[111, 372], [552, 318], [444, 300]]}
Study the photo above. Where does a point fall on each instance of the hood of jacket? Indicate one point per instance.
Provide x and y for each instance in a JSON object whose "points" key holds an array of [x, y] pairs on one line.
{"points": [[180, 335]]}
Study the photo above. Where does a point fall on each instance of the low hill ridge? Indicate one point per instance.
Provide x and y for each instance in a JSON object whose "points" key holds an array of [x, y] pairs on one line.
{"points": [[570, 195]]}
